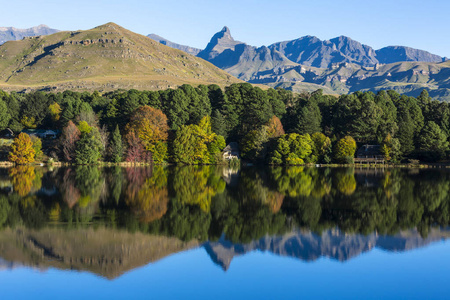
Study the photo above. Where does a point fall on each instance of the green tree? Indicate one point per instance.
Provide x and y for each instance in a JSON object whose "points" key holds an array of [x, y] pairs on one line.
{"points": [[391, 149], [219, 124], [116, 146], [177, 109], [388, 122], [254, 144], [292, 149], [345, 113], [87, 151], [5, 208], [37, 146], [275, 99], [308, 117], [322, 150], [4, 115], [433, 141], [191, 143], [367, 119], [405, 132], [344, 150]]}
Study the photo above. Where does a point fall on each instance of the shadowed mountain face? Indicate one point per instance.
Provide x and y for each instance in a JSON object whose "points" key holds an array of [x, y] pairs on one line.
{"points": [[394, 54], [334, 244], [14, 34], [187, 49]]}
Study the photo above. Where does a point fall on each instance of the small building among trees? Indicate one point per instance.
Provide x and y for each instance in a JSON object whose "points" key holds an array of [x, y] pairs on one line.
{"points": [[6, 134], [42, 133], [231, 151], [369, 153]]}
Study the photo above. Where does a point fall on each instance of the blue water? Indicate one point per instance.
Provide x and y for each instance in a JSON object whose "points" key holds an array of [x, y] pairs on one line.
{"points": [[417, 274]]}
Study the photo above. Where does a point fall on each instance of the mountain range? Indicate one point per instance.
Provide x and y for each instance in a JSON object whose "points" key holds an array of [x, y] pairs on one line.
{"points": [[334, 244], [107, 57], [111, 253], [340, 65], [110, 57], [14, 34]]}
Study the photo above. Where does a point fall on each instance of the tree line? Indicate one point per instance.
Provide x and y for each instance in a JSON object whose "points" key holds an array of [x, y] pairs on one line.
{"points": [[191, 125]]}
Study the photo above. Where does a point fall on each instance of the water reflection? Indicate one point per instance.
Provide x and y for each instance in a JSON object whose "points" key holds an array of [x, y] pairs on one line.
{"points": [[110, 220]]}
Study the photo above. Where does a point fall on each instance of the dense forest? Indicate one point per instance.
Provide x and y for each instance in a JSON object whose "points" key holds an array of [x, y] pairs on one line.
{"points": [[192, 125]]}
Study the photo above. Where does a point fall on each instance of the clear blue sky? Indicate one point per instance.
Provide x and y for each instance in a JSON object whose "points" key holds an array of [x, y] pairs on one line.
{"points": [[414, 23]]}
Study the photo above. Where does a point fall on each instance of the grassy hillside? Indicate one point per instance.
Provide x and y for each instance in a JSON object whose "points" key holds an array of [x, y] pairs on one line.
{"points": [[105, 58]]}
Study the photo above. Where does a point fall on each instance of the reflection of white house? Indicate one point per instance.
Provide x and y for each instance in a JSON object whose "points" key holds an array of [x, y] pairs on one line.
{"points": [[231, 151]]}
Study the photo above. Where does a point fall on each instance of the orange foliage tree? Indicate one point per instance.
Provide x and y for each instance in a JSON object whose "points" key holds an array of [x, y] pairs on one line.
{"points": [[147, 195], [70, 136], [22, 151], [150, 125], [275, 128]]}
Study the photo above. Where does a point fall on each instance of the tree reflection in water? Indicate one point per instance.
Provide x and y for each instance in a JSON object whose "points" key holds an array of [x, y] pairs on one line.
{"points": [[109, 220], [195, 202]]}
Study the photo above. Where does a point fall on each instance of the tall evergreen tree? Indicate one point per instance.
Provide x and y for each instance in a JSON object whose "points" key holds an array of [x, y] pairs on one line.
{"points": [[366, 120], [218, 124], [4, 115], [405, 132], [116, 146], [432, 141], [308, 117]]}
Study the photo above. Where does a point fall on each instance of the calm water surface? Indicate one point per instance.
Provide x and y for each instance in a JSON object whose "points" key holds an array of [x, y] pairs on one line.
{"points": [[214, 232]]}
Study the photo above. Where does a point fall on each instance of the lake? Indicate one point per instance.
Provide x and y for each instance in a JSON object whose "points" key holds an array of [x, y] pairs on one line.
{"points": [[216, 232]]}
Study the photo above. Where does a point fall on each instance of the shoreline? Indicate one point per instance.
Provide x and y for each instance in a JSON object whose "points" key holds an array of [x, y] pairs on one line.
{"points": [[7, 164]]}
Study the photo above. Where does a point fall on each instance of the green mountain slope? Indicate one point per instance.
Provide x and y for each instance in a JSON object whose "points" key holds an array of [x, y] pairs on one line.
{"points": [[105, 58]]}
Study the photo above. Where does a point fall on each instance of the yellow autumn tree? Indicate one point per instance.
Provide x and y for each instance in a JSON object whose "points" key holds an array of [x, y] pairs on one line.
{"points": [[22, 178], [55, 111], [22, 151], [345, 150], [346, 184], [28, 122]]}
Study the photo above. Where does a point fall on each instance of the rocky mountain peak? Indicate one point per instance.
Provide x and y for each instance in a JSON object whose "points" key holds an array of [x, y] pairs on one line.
{"points": [[219, 43]]}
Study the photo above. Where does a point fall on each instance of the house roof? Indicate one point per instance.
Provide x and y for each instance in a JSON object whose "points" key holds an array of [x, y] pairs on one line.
{"points": [[369, 150], [233, 146], [40, 131]]}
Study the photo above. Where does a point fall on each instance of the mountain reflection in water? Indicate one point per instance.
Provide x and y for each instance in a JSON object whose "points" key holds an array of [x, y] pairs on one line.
{"points": [[111, 220]]}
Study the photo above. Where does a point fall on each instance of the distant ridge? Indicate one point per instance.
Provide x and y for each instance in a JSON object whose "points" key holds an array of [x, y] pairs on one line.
{"points": [[187, 49], [14, 34], [334, 244], [338, 66]]}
